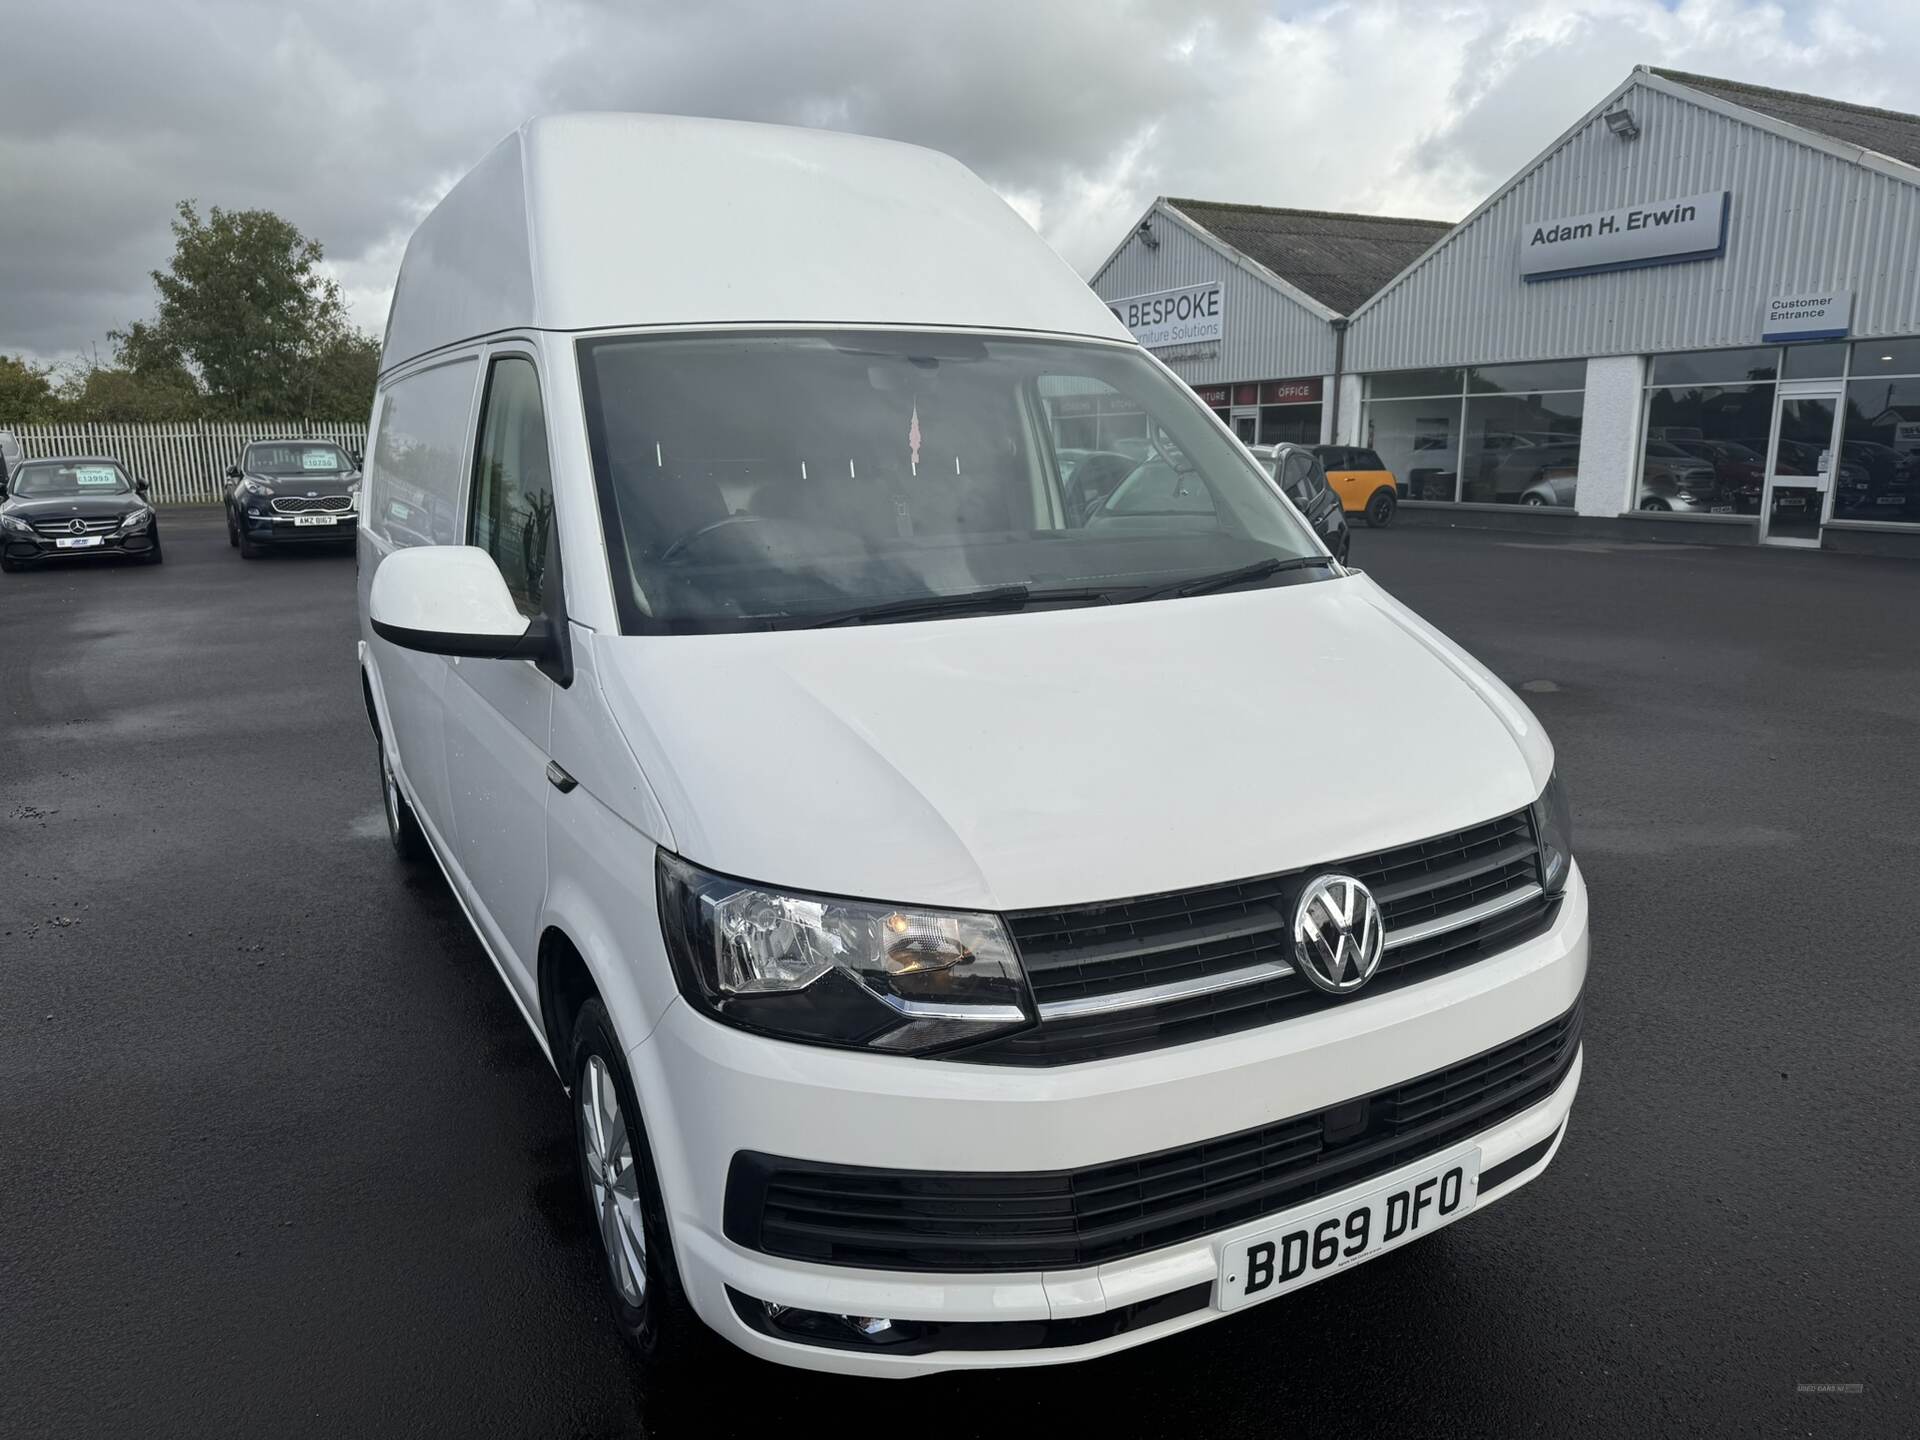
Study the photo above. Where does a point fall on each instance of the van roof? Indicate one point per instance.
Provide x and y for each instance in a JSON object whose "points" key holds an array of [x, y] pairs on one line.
{"points": [[590, 221]]}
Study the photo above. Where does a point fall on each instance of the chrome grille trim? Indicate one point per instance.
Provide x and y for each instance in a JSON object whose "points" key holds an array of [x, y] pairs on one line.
{"points": [[1458, 919], [1257, 974], [60, 528], [1161, 994]]}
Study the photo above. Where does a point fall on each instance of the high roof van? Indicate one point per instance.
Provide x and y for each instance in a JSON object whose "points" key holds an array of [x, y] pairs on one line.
{"points": [[975, 926]]}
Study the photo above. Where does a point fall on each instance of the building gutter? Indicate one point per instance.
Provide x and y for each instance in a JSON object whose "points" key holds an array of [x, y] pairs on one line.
{"points": [[1339, 324]]}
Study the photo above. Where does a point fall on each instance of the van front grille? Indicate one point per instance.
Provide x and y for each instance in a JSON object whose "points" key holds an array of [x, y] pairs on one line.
{"points": [[1129, 975]]}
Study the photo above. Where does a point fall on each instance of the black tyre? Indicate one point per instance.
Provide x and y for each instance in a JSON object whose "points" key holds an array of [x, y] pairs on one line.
{"points": [[622, 1192], [155, 555], [403, 826], [248, 549], [233, 531], [8, 567], [1532, 499], [1381, 506], [1654, 502]]}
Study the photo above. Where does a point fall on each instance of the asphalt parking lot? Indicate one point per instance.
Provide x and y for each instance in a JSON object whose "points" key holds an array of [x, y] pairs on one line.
{"points": [[277, 1155]]}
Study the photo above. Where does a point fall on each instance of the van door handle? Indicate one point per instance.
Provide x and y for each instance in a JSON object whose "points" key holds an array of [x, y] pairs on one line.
{"points": [[560, 779]]}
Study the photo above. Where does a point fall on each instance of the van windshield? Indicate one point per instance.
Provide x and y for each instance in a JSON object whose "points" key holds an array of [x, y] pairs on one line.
{"points": [[758, 481]]}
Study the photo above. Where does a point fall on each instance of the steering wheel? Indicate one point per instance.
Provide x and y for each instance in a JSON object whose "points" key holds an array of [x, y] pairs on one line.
{"points": [[705, 530]]}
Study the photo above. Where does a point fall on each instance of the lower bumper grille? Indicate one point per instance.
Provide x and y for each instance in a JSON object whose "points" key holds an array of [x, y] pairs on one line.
{"points": [[916, 1220]]}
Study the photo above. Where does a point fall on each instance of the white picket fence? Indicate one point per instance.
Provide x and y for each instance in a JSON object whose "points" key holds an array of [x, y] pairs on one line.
{"points": [[183, 463]]}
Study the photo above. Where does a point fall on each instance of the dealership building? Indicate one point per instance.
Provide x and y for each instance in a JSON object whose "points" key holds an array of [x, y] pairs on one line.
{"points": [[1695, 315]]}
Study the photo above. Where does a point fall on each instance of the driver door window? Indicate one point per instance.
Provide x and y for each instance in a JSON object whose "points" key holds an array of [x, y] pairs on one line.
{"points": [[512, 512]]}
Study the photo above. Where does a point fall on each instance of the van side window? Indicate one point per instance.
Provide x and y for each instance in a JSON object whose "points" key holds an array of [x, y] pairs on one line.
{"points": [[1366, 460], [413, 475], [512, 510]]}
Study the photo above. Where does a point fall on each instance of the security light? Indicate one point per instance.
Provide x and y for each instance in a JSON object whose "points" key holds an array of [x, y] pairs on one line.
{"points": [[1147, 237], [1620, 121]]}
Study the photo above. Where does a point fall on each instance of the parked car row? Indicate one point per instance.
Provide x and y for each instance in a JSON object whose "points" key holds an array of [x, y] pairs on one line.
{"points": [[282, 492]]}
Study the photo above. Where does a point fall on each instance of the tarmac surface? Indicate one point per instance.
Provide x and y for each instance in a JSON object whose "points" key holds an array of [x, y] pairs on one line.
{"points": [[277, 1155]]}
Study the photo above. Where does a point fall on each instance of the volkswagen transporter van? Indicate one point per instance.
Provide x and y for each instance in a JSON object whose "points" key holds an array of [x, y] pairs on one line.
{"points": [[902, 867]]}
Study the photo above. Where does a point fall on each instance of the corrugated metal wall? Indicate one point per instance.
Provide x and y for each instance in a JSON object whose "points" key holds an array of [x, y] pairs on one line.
{"points": [[1268, 335], [1800, 220]]}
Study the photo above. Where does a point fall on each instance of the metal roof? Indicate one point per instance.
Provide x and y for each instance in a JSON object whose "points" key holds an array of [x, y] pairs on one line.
{"points": [[1338, 259], [1890, 132]]}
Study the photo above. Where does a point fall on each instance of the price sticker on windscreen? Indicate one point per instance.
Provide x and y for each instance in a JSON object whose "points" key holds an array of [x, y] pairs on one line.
{"points": [[96, 475], [318, 460]]}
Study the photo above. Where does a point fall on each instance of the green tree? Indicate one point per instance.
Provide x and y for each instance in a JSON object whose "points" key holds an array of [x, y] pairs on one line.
{"points": [[119, 393], [246, 308], [26, 392]]}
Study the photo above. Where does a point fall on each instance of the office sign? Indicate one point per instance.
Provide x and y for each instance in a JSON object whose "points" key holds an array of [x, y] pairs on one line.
{"points": [[1192, 315], [1290, 392], [1663, 232], [1819, 315]]}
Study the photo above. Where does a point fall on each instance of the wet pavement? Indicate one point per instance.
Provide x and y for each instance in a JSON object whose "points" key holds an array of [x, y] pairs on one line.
{"points": [[277, 1154]]}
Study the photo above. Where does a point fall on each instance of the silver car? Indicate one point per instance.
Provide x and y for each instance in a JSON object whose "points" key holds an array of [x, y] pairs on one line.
{"points": [[1671, 479]]}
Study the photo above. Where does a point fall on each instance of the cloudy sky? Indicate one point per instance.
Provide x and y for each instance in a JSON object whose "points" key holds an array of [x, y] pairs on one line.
{"points": [[351, 116]]}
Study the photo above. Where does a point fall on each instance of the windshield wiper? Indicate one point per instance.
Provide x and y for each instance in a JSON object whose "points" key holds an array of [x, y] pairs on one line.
{"points": [[1259, 570], [996, 597]]}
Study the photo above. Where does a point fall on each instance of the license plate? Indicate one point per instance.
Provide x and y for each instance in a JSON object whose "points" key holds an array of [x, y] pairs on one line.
{"points": [[1790, 502], [1721, 509], [83, 542], [1889, 499], [1296, 1252], [314, 519]]}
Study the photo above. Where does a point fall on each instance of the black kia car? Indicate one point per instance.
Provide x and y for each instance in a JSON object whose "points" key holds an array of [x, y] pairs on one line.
{"points": [[292, 492], [83, 507]]}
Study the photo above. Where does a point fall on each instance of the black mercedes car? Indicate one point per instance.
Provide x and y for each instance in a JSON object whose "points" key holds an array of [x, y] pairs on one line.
{"points": [[82, 507], [299, 492]]}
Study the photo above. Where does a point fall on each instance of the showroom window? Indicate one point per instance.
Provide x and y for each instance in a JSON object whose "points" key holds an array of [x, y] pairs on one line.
{"points": [[1880, 440], [1492, 434], [1709, 413]]}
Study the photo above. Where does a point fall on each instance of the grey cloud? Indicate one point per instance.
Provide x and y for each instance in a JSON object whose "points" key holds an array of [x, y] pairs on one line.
{"points": [[349, 116]]}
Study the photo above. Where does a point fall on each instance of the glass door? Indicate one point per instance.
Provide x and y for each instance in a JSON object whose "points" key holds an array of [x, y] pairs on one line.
{"points": [[1800, 463]]}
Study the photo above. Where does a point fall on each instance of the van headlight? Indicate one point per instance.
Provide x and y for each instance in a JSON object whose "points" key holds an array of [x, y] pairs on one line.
{"points": [[1553, 819], [838, 972]]}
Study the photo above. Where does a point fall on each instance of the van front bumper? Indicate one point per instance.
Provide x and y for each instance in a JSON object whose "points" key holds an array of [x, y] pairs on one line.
{"points": [[712, 1094]]}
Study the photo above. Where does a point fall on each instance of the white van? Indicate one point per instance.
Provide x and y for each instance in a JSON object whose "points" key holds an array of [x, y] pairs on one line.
{"points": [[978, 922]]}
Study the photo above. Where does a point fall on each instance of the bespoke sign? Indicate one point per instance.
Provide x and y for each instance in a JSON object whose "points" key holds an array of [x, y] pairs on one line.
{"points": [[1192, 315], [1663, 232], [1821, 315]]}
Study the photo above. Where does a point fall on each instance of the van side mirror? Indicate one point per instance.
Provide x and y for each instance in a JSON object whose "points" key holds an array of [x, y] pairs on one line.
{"points": [[452, 600], [233, 472]]}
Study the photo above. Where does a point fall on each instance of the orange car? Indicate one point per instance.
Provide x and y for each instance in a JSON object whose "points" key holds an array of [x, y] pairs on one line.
{"points": [[1364, 485]]}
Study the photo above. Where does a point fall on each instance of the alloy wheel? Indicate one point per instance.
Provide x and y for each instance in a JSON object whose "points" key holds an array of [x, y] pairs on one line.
{"points": [[613, 1181]]}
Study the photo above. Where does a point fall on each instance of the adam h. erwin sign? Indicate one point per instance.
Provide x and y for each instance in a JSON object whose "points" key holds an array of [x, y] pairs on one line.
{"points": [[1191, 315], [1665, 232]]}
